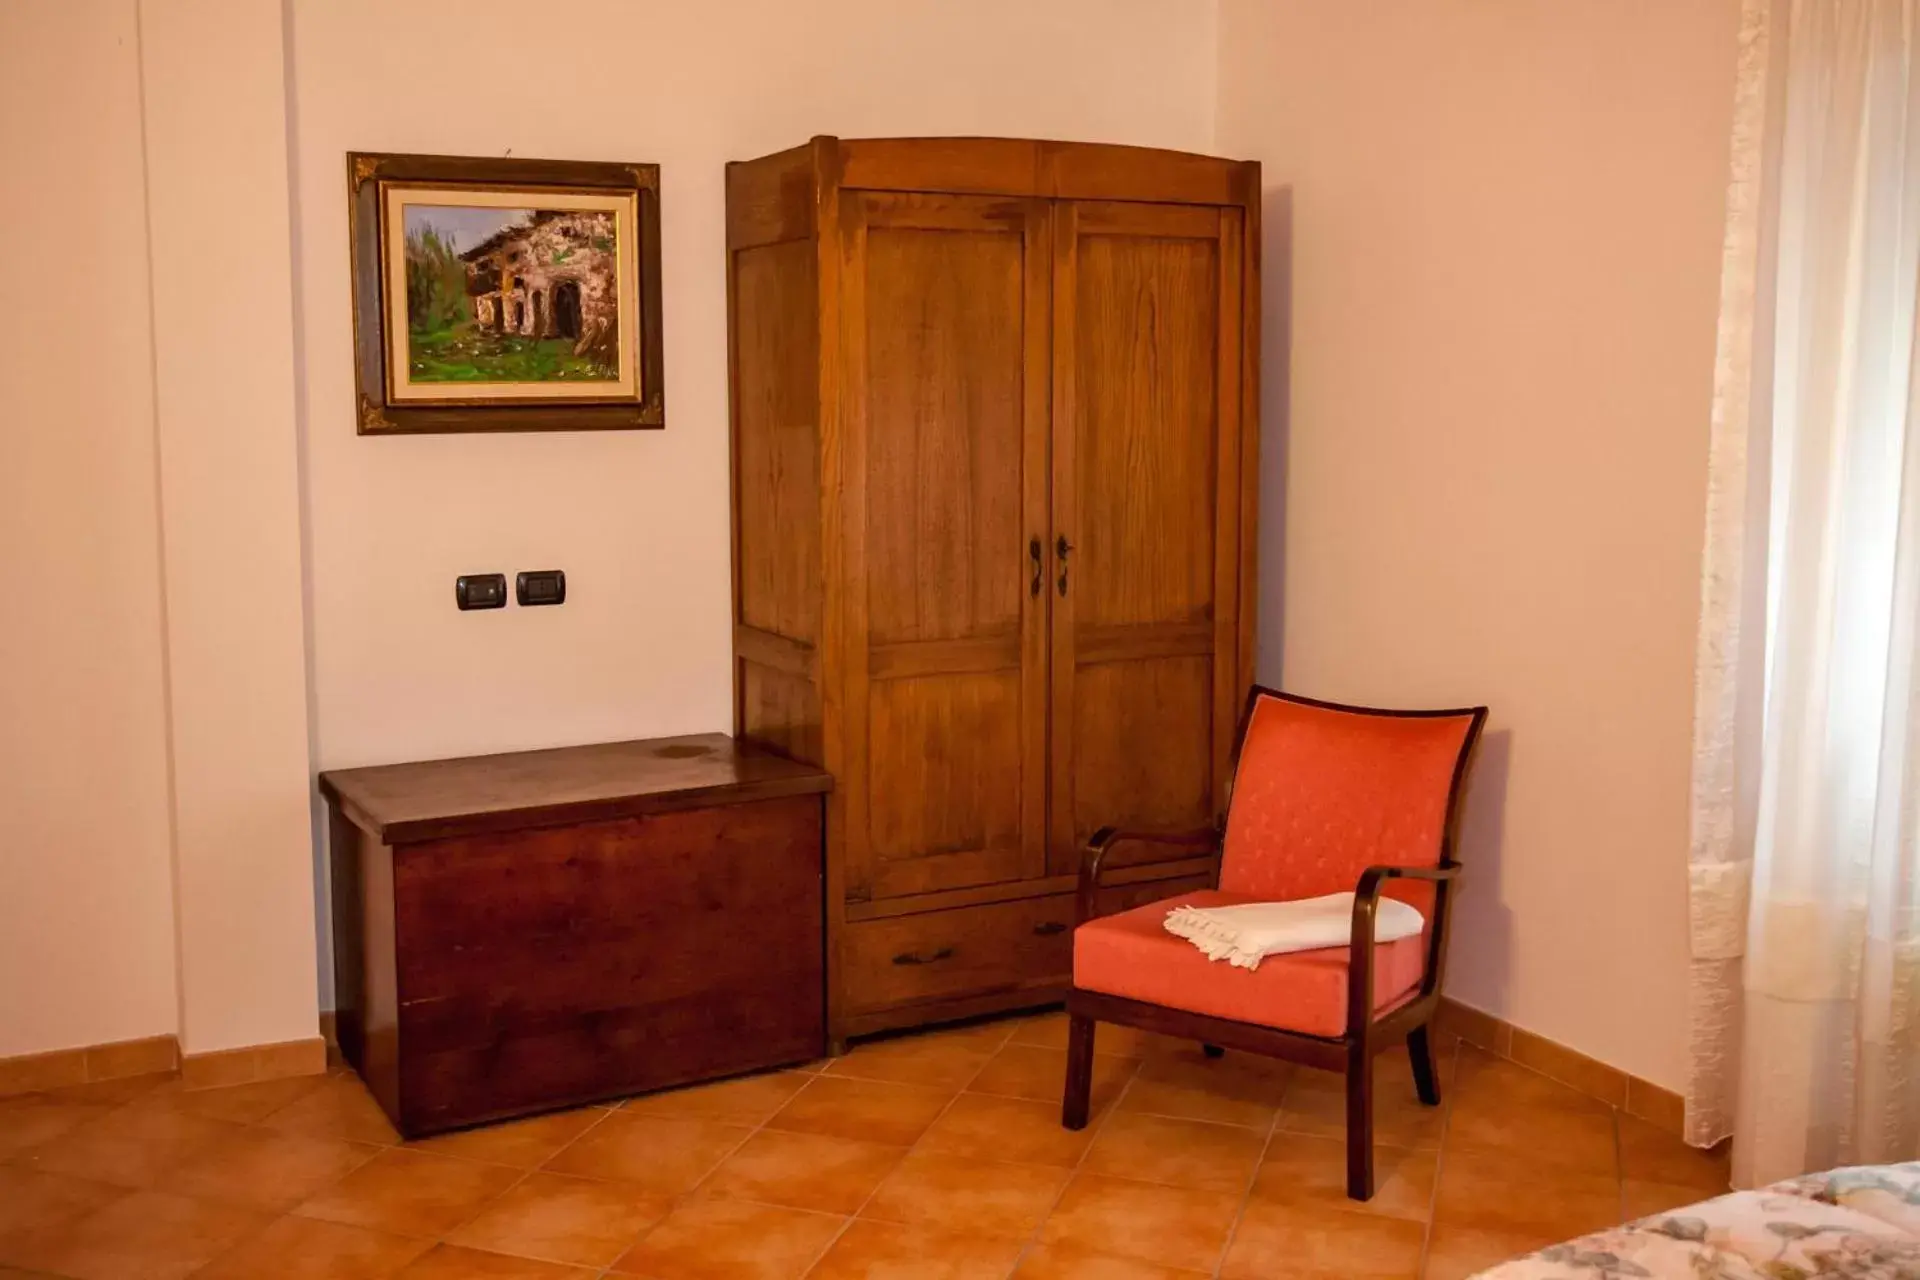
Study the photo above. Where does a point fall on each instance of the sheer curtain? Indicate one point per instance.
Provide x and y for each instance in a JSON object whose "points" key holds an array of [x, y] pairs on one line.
{"points": [[1805, 875]]}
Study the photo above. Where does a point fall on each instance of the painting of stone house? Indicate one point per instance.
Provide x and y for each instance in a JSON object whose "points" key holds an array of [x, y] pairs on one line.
{"points": [[512, 295], [551, 277]]}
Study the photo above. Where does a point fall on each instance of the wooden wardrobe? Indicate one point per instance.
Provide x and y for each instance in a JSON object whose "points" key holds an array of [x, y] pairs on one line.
{"points": [[994, 477]]}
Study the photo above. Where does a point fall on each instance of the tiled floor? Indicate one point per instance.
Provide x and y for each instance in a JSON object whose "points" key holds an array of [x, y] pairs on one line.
{"points": [[934, 1157]]}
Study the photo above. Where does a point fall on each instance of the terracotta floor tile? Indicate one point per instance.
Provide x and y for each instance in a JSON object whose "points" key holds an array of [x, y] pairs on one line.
{"points": [[969, 1196], [1653, 1155], [446, 1261], [944, 1183], [1049, 1031], [746, 1100], [1314, 1242], [451, 1262], [32, 1119], [987, 1033], [307, 1249], [869, 1110], [1022, 1071], [411, 1193], [727, 1240], [1180, 1153], [35, 1206], [1316, 1104], [1173, 1226], [1013, 1129], [803, 1171], [240, 1103], [938, 1060], [115, 1093], [653, 1152], [1304, 1170], [1187, 1086], [1394, 1068], [266, 1170], [1480, 1079], [1644, 1199], [148, 1235], [580, 1221], [889, 1251], [1498, 1193], [129, 1148], [1556, 1134], [524, 1144], [1075, 1262], [1456, 1252], [41, 1209], [339, 1108]]}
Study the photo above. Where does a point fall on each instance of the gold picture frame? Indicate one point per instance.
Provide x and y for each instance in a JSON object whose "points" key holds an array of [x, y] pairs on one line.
{"points": [[505, 295]]}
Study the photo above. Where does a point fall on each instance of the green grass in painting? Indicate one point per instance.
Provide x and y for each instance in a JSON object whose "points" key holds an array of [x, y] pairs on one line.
{"points": [[466, 353]]}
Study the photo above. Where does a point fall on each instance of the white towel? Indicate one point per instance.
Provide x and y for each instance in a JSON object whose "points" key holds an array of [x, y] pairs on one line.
{"points": [[1244, 935]]}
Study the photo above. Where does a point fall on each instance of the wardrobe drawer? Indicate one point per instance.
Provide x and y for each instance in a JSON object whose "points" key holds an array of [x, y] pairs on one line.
{"points": [[937, 955]]}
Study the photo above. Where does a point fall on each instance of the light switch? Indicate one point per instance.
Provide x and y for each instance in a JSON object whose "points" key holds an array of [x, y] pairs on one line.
{"points": [[540, 586], [480, 591]]}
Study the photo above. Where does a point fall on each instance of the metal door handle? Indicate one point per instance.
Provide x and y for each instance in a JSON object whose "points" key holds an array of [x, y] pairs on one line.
{"points": [[944, 953], [1039, 561], [1060, 548], [1047, 928]]}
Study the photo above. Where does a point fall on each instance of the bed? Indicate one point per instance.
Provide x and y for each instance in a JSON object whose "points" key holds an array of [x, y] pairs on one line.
{"points": [[1846, 1224]]}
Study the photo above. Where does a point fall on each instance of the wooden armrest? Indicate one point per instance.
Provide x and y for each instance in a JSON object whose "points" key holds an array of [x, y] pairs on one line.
{"points": [[1366, 905], [1103, 841], [1371, 878]]}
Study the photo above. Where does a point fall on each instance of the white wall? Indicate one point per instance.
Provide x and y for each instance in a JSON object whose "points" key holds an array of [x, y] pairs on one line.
{"points": [[86, 903], [1505, 237], [173, 423], [637, 519], [217, 206], [155, 875], [1505, 222]]}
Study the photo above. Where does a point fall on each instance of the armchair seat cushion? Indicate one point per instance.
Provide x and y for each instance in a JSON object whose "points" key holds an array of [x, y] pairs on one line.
{"points": [[1131, 955]]}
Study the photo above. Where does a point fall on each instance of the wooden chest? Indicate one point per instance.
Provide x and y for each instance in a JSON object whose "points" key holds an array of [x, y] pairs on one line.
{"points": [[520, 932]]}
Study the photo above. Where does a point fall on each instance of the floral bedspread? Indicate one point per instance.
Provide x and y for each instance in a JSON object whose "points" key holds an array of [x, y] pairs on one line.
{"points": [[1846, 1224]]}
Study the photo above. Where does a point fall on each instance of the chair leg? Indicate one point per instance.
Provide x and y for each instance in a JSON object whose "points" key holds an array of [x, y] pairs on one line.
{"points": [[1359, 1123], [1213, 1050], [1425, 1079], [1078, 1095]]}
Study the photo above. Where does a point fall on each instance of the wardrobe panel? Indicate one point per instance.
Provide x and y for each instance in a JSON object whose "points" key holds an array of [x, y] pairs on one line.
{"points": [[1146, 439], [943, 324], [780, 709], [1122, 711], [950, 814], [1145, 352], [945, 434], [776, 354]]}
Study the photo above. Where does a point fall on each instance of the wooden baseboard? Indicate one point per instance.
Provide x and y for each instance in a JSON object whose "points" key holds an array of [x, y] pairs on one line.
{"points": [[254, 1063], [1662, 1108], [64, 1068]]}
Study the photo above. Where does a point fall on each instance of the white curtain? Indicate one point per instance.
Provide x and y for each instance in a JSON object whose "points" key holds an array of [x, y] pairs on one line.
{"points": [[1805, 875]]}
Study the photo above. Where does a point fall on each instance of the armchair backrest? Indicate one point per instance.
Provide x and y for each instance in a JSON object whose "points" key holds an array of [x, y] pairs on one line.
{"points": [[1321, 792]]}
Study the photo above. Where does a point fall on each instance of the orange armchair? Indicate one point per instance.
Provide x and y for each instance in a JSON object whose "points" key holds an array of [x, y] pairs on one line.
{"points": [[1324, 798]]}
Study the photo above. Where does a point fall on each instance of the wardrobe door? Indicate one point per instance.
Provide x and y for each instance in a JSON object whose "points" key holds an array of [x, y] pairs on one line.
{"points": [[944, 341], [1144, 566]]}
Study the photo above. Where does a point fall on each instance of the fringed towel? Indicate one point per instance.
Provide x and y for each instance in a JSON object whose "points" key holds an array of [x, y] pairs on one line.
{"points": [[1244, 935]]}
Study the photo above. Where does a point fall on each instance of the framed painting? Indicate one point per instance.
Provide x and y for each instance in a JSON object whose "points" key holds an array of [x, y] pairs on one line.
{"points": [[504, 295]]}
